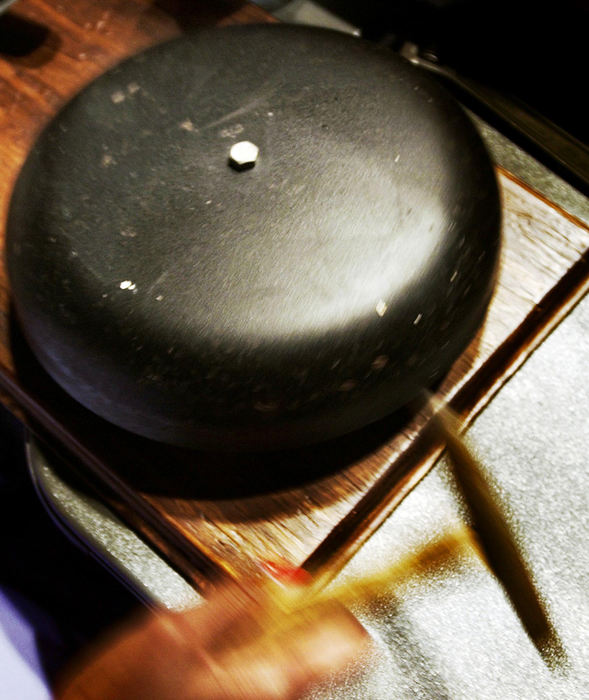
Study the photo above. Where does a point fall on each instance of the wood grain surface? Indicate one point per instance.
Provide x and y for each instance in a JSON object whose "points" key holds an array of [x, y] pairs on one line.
{"points": [[213, 514]]}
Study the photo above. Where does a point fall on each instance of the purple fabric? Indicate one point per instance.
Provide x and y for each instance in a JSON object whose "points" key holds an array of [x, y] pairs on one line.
{"points": [[54, 598], [24, 631]]}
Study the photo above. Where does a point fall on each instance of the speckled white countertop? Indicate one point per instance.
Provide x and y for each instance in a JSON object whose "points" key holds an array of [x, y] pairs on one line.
{"points": [[455, 635]]}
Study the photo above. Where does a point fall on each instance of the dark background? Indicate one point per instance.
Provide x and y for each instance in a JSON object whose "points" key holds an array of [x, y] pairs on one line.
{"points": [[532, 49]]}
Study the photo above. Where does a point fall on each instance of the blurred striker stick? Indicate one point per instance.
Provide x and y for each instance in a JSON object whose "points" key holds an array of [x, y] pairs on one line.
{"points": [[491, 540], [292, 600], [496, 542]]}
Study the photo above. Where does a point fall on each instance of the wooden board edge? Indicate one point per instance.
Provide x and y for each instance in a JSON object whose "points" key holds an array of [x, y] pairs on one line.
{"points": [[402, 475]]}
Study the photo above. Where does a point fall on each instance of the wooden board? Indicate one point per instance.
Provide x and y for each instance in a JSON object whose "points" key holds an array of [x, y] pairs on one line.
{"points": [[214, 515]]}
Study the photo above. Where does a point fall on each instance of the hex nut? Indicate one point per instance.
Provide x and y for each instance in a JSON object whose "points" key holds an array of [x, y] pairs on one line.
{"points": [[243, 155]]}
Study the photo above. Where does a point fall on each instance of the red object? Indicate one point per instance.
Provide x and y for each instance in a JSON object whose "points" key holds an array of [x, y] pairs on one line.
{"points": [[284, 572]]}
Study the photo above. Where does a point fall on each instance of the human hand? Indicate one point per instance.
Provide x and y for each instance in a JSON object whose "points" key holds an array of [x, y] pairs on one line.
{"points": [[236, 646]]}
